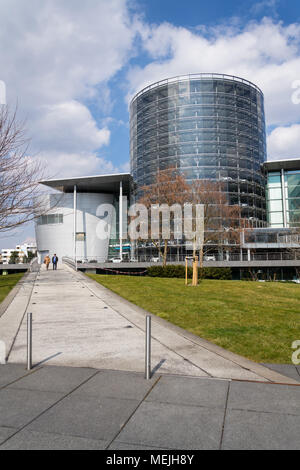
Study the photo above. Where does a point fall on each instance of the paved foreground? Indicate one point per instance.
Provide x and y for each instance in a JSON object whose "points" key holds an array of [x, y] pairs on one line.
{"points": [[82, 408], [79, 323]]}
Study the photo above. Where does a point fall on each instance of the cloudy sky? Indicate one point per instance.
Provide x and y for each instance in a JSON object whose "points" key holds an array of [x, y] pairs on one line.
{"points": [[72, 67]]}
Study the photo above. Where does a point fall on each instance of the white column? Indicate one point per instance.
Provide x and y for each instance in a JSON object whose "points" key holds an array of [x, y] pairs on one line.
{"points": [[121, 219], [74, 221]]}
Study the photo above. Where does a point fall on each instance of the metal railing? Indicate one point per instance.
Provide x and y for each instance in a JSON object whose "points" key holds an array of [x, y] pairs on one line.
{"points": [[180, 258], [194, 76]]}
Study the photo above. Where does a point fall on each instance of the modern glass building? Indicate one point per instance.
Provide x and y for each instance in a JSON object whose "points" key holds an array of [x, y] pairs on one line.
{"points": [[283, 193], [210, 126]]}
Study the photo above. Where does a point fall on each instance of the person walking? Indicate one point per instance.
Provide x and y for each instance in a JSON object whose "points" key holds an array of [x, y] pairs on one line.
{"points": [[47, 261], [54, 261]]}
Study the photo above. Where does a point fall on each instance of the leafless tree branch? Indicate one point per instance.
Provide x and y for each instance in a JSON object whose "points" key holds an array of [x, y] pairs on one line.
{"points": [[19, 174]]}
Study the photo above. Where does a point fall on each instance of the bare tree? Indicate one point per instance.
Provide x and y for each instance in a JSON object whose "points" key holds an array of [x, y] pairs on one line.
{"points": [[169, 188], [222, 225], [19, 174], [293, 243], [222, 221]]}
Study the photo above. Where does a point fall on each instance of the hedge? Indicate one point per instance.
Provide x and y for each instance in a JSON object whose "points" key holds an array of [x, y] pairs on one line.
{"points": [[178, 271]]}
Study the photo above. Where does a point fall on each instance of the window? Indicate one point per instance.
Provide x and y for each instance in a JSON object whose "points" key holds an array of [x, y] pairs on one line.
{"points": [[50, 219], [276, 218], [80, 236], [274, 193], [274, 180]]}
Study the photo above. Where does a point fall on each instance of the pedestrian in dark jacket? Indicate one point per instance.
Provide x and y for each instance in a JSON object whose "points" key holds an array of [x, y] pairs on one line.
{"points": [[54, 261]]}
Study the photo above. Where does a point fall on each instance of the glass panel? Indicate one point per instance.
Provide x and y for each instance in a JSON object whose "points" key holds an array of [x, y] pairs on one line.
{"points": [[292, 180], [274, 193], [294, 191], [276, 218], [189, 124], [293, 204], [275, 206], [274, 180]]}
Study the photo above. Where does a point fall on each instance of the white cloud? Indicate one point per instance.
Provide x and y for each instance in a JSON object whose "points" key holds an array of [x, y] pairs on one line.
{"points": [[56, 56], [284, 142], [265, 53], [68, 125], [263, 5], [65, 164]]}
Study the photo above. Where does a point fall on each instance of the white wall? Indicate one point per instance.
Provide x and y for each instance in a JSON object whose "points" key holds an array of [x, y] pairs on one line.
{"points": [[58, 238]]}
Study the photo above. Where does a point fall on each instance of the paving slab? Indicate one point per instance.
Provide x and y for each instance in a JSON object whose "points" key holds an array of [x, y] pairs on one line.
{"points": [[123, 411], [289, 370], [18, 407], [31, 440], [248, 430], [6, 432], [179, 390], [88, 417], [114, 384], [11, 373], [125, 446], [174, 427], [54, 379], [270, 398]]}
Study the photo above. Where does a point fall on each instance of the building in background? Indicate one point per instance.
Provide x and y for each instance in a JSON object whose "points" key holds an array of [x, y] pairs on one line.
{"points": [[283, 193], [209, 126], [75, 213], [22, 251]]}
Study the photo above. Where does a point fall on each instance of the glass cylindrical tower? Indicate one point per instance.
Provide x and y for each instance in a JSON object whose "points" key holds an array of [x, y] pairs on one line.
{"points": [[210, 126]]}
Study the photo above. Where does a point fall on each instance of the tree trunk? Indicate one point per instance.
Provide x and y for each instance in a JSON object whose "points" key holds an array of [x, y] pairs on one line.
{"points": [[201, 256], [194, 248], [165, 253]]}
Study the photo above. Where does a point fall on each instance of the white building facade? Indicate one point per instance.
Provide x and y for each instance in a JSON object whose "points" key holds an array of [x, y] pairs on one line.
{"points": [[76, 216]]}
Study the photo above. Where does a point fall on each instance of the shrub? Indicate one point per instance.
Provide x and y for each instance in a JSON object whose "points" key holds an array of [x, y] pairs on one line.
{"points": [[223, 274], [178, 271]]}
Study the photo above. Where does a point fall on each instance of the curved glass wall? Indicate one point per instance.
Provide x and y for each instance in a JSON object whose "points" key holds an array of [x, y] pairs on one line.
{"points": [[211, 127]]}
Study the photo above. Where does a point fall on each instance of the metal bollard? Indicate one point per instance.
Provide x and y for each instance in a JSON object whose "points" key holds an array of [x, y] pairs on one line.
{"points": [[29, 341], [148, 348]]}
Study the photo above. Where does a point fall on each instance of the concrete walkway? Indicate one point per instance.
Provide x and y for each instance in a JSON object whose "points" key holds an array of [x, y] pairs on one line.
{"points": [[79, 323], [81, 408]]}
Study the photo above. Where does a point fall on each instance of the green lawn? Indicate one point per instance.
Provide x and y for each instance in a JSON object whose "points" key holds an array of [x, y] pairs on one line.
{"points": [[7, 283], [257, 320]]}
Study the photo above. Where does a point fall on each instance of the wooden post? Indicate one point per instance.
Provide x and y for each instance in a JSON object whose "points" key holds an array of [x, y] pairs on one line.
{"points": [[195, 271], [186, 271]]}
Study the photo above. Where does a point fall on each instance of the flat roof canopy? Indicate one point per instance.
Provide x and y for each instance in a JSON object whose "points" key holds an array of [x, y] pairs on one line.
{"points": [[91, 184], [288, 164]]}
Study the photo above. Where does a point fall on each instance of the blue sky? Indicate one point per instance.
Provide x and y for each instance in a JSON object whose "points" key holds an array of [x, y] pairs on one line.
{"points": [[73, 67], [192, 12]]}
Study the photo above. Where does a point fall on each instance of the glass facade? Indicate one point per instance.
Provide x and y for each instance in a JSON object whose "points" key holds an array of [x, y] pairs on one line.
{"points": [[211, 127], [283, 198]]}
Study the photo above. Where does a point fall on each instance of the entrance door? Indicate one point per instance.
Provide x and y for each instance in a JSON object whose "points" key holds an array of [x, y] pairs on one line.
{"points": [[41, 256]]}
